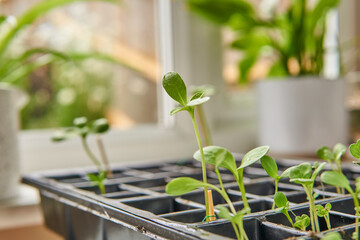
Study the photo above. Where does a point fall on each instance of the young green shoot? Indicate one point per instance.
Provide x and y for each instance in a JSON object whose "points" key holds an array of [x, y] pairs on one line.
{"points": [[322, 211], [355, 151], [335, 178], [271, 168], [236, 221], [221, 157], [283, 205], [183, 185], [302, 222], [81, 128], [303, 174], [176, 89], [333, 157]]}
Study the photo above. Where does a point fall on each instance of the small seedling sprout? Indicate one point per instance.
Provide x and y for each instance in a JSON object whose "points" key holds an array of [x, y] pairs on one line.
{"points": [[176, 89], [333, 157], [303, 174], [322, 211], [332, 236], [338, 179], [82, 129], [283, 205], [271, 168]]}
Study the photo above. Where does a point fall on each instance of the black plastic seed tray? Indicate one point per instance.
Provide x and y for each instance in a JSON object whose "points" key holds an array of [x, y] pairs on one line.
{"points": [[136, 206]]}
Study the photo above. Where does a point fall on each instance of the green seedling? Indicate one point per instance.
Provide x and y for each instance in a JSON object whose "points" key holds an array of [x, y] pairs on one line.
{"points": [[303, 174], [333, 157], [283, 205], [220, 157], [338, 179], [355, 151], [332, 236], [176, 89], [183, 185], [236, 220], [82, 129], [271, 168], [302, 222], [324, 212]]}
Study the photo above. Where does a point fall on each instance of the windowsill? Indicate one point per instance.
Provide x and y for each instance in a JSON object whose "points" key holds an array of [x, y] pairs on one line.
{"points": [[22, 210]]}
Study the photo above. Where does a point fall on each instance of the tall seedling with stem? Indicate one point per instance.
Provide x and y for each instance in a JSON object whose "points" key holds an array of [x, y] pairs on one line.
{"points": [[82, 129], [303, 174], [339, 180], [271, 168], [333, 157], [176, 89], [221, 157]]}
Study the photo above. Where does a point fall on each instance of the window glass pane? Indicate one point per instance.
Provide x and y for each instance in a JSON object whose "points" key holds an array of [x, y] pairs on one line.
{"points": [[64, 89]]}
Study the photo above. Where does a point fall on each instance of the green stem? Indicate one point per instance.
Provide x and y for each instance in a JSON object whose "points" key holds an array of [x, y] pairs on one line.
{"points": [[313, 217], [276, 189], [288, 217], [219, 178], [327, 219], [90, 154], [101, 187], [203, 165], [242, 188], [238, 235], [356, 204], [204, 125], [242, 230]]}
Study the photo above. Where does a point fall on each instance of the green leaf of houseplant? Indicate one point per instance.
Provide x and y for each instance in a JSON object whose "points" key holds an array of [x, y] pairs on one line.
{"points": [[253, 156], [270, 166], [198, 101], [182, 185], [355, 149], [175, 87], [218, 156], [335, 179]]}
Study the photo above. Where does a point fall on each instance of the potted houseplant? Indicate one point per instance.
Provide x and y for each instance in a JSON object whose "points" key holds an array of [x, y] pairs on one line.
{"points": [[13, 68], [296, 116]]}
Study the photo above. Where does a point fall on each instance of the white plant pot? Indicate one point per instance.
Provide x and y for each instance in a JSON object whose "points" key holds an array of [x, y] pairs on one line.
{"points": [[9, 154], [299, 115]]}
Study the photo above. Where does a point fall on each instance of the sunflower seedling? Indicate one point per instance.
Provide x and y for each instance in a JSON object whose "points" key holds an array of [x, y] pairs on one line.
{"points": [[322, 211], [83, 129], [333, 157], [339, 180], [271, 168], [303, 174], [175, 87]]}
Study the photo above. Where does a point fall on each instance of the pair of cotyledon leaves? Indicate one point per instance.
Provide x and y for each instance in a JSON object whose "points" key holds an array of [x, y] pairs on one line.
{"points": [[219, 157], [176, 89]]}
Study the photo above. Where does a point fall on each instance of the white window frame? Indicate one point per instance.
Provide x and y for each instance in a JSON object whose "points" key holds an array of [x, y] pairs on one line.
{"points": [[192, 47]]}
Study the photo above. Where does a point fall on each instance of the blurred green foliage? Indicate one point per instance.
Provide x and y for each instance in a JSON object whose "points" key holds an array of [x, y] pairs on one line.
{"points": [[292, 35]]}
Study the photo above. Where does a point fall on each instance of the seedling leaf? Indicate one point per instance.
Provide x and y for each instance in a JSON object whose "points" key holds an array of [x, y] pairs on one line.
{"points": [[80, 122], [224, 213], [302, 171], [355, 149], [269, 164], [198, 101], [339, 150], [175, 87], [100, 125], [198, 94], [254, 155], [286, 173], [317, 170], [178, 109], [325, 153], [302, 221], [302, 180], [182, 185], [218, 156], [58, 136], [280, 199], [335, 179]]}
